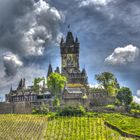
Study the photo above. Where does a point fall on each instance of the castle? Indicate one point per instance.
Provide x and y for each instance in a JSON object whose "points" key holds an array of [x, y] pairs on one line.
{"points": [[76, 90]]}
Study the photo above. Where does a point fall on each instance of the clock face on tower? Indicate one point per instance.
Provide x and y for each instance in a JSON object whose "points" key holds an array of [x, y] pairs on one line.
{"points": [[70, 61]]}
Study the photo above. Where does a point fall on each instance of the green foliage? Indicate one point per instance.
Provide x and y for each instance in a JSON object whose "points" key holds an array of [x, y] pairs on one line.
{"points": [[56, 83], [135, 106], [72, 111], [105, 79], [36, 86], [51, 115], [111, 90], [43, 109], [109, 82], [124, 96], [56, 102], [125, 123], [110, 106], [117, 102]]}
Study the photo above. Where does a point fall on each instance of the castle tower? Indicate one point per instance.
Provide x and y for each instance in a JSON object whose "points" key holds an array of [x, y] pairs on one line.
{"points": [[50, 70], [21, 84], [69, 54], [70, 60], [57, 70]]}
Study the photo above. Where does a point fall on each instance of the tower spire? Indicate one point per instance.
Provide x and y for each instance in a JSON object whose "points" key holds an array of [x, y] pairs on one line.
{"points": [[20, 84], [11, 89], [57, 70], [50, 70], [69, 38], [23, 83], [76, 39]]}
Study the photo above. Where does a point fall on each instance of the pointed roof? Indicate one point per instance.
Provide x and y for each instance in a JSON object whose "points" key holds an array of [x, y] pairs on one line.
{"points": [[57, 70], [76, 40], [20, 84], [23, 83], [62, 41], [83, 71], [70, 38], [50, 70], [11, 89]]}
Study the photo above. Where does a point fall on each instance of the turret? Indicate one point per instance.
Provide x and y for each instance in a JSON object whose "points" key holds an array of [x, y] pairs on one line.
{"points": [[23, 83], [76, 40], [11, 89], [50, 70], [62, 41], [69, 39], [57, 70], [20, 85], [84, 71]]}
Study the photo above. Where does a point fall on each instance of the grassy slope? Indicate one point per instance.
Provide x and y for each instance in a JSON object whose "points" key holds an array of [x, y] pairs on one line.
{"points": [[128, 124]]}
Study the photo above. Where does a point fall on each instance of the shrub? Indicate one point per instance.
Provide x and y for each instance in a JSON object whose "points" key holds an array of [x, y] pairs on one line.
{"points": [[43, 109], [110, 106], [135, 106], [72, 111]]}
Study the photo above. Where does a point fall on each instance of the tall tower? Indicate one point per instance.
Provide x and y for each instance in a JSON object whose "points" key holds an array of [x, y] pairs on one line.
{"points": [[69, 53], [70, 60]]}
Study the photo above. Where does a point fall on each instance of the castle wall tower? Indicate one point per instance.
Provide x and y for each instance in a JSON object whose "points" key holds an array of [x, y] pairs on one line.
{"points": [[70, 60], [50, 70], [70, 53]]}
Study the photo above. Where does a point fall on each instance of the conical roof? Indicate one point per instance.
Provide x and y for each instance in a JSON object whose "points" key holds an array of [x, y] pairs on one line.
{"points": [[69, 38], [50, 70]]}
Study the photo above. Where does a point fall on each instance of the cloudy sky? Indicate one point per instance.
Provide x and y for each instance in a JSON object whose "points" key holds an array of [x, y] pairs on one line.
{"points": [[108, 31]]}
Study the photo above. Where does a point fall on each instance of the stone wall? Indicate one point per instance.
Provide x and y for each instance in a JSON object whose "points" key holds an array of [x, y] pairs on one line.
{"points": [[72, 102], [100, 99], [22, 108], [6, 108], [17, 108]]}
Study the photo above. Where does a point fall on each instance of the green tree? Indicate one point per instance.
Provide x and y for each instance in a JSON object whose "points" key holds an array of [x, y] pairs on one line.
{"points": [[135, 105], [43, 109], [56, 102], [125, 96], [108, 81], [56, 83], [36, 82]]}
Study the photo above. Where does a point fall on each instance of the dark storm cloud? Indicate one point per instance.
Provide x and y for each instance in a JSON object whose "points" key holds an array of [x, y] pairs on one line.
{"points": [[11, 64], [102, 26], [27, 28], [29, 25]]}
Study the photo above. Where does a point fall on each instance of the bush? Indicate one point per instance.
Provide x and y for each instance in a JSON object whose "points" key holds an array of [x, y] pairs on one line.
{"points": [[135, 106], [72, 111], [43, 109]]}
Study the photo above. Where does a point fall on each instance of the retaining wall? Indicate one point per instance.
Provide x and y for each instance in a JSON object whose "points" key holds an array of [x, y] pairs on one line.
{"points": [[17, 108]]}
